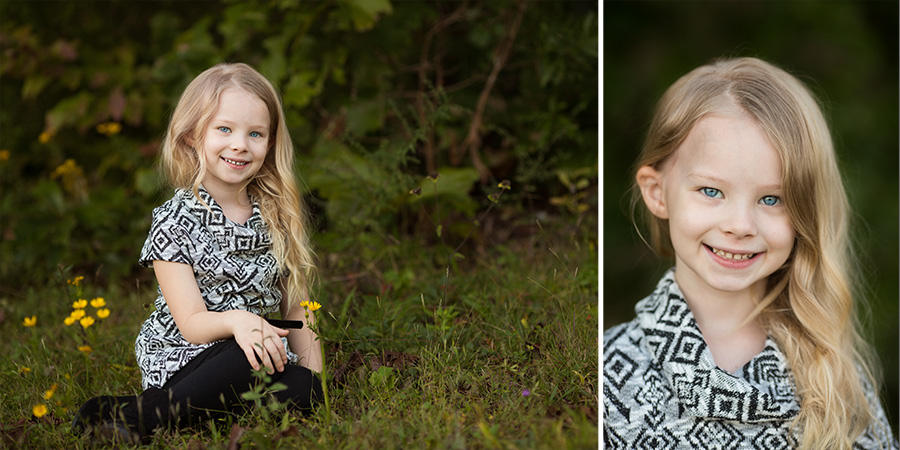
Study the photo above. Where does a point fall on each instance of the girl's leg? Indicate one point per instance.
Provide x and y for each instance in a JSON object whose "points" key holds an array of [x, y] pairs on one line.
{"points": [[212, 383]]}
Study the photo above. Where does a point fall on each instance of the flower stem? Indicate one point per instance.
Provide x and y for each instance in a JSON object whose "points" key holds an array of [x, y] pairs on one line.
{"points": [[324, 376]]}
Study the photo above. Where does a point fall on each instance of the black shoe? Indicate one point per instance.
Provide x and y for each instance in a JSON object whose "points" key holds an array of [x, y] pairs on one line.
{"points": [[98, 410]]}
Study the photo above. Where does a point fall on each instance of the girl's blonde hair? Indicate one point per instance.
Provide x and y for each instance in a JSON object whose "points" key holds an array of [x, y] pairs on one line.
{"points": [[809, 303], [274, 186]]}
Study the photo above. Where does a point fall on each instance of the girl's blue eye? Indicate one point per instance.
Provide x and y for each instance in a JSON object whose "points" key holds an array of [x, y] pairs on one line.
{"points": [[770, 200], [224, 129], [255, 134], [711, 192]]}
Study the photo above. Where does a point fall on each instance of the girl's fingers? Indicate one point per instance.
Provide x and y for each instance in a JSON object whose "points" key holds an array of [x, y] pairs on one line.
{"points": [[266, 361], [251, 357], [275, 349]]}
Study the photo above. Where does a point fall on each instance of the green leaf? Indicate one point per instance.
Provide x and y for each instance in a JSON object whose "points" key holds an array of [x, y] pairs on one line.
{"points": [[146, 181], [365, 116], [453, 189], [33, 86], [438, 230], [300, 89], [364, 13], [251, 395]]}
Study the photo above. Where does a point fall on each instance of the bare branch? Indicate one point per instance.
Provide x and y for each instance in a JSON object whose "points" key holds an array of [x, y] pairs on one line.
{"points": [[472, 144]]}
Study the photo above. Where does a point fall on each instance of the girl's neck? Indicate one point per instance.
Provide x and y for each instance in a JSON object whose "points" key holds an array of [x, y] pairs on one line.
{"points": [[722, 319], [235, 203], [228, 196]]}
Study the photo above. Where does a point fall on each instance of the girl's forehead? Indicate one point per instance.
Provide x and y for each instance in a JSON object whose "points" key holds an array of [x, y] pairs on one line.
{"points": [[237, 103], [733, 146]]}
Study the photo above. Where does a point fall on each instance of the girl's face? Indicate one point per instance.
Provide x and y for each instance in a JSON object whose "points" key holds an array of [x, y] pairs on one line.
{"points": [[721, 193], [236, 141]]}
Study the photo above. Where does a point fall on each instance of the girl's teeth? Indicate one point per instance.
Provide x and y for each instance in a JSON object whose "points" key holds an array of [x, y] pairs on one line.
{"points": [[237, 163], [733, 256]]}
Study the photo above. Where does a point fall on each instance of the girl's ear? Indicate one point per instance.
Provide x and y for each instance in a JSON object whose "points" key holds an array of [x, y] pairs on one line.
{"points": [[649, 180]]}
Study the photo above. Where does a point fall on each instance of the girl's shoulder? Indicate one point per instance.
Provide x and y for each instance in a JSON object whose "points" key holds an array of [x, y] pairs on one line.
{"points": [[617, 332], [624, 338], [182, 200]]}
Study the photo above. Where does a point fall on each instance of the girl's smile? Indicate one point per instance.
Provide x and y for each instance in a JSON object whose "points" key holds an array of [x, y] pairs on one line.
{"points": [[720, 192]]}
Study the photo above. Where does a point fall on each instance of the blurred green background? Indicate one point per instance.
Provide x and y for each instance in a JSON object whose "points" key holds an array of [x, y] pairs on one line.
{"points": [[377, 95], [845, 51]]}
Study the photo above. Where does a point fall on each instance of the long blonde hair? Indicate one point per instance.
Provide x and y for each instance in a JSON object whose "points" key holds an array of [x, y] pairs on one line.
{"points": [[809, 305], [274, 186]]}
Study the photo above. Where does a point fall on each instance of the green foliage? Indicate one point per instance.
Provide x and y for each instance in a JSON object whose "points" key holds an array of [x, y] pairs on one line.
{"points": [[376, 95]]}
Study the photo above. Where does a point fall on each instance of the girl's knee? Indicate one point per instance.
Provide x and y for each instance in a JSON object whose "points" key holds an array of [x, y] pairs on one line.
{"points": [[304, 388]]}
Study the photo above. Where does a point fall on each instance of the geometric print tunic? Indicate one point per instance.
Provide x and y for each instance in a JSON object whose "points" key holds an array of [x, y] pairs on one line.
{"points": [[662, 389], [234, 266]]}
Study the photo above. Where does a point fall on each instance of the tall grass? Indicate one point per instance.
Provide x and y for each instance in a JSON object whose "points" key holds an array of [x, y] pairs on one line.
{"points": [[502, 356]]}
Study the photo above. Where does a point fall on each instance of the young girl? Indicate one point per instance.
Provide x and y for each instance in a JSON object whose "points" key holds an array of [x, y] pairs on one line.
{"points": [[750, 341], [230, 247]]}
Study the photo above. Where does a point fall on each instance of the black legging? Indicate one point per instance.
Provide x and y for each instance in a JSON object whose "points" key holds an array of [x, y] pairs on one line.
{"points": [[223, 372], [210, 385]]}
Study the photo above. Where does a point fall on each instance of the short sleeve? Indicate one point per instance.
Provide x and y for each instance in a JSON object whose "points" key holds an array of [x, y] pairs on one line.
{"points": [[167, 241]]}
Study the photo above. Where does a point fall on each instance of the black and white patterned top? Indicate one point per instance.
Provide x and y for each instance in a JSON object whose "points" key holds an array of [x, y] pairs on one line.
{"points": [[662, 389], [234, 266]]}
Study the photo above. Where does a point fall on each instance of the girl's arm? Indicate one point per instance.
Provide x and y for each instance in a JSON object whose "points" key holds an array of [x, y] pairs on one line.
{"points": [[259, 340], [304, 341]]}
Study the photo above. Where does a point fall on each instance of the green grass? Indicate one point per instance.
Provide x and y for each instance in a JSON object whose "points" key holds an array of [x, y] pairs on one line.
{"points": [[516, 317]]}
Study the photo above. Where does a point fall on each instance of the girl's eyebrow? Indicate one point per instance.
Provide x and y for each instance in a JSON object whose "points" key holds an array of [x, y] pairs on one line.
{"points": [[228, 122], [707, 178], [721, 181]]}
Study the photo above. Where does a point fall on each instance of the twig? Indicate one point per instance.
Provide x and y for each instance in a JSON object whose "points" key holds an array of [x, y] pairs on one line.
{"points": [[424, 65], [472, 143]]}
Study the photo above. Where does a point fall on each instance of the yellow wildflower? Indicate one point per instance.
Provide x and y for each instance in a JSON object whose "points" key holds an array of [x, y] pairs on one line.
{"points": [[86, 322], [77, 314], [98, 302], [305, 304], [30, 321], [69, 320], [86, 349], [4, 155], [48, 394], [80, 304], [64, 169], [109, 128], [39, 410], [76, 281], [314, 306], [24, 370], [102, 313], [44, 137]]}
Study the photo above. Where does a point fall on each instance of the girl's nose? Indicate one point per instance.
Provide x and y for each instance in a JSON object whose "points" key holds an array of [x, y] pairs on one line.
{"points": [[739, 222], [239, 143]]}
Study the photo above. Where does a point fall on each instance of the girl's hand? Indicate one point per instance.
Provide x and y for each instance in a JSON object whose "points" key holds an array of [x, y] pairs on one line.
{"points": [[260, 341]]}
